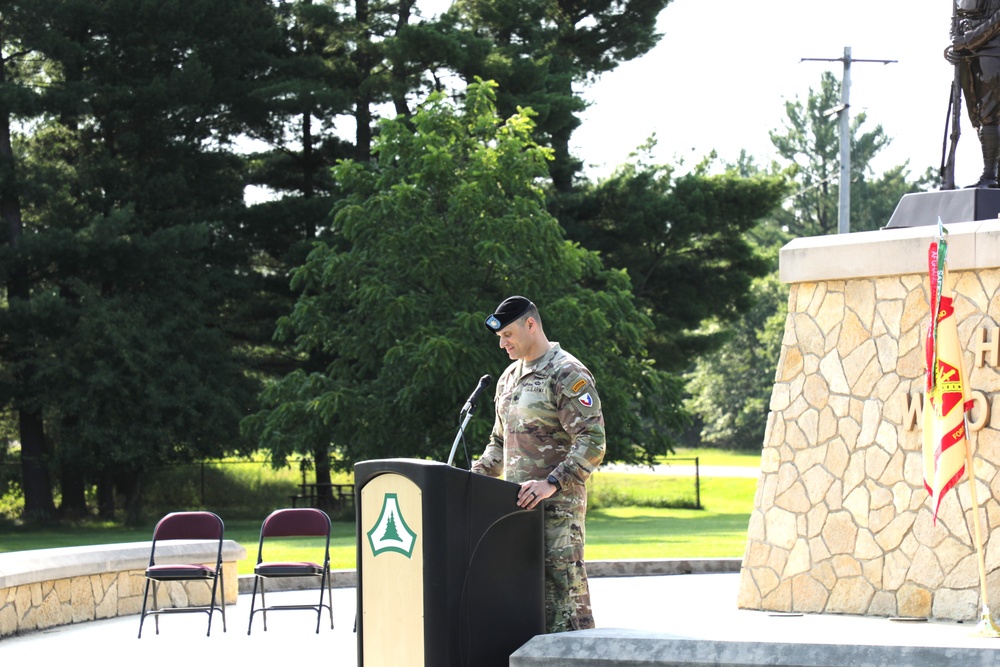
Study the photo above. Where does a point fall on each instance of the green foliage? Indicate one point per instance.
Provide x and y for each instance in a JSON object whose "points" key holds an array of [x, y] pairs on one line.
{"points": [[11, 494], [809, 144], [710, 456], [233, 489], [731, 387], [641, 490], [613, 533], [121, 267], [683, 240], [537, 50], [142, 292], [446, 223]]}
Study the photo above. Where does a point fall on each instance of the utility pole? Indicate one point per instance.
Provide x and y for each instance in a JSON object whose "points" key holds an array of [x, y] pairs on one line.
{"points": [[844, 223]]}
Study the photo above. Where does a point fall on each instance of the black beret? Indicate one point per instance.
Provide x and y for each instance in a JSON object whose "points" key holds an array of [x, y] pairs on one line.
{"points": [[512, 308]]}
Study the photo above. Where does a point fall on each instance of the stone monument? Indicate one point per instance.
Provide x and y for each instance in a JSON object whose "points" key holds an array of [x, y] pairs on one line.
{"points": [[841, 522]]}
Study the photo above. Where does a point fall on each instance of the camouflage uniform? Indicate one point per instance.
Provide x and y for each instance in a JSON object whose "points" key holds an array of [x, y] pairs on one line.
{"points": [[549, 422]]}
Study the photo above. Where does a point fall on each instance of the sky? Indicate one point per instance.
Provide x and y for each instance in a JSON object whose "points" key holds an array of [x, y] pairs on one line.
{"points": [[723, 70]]}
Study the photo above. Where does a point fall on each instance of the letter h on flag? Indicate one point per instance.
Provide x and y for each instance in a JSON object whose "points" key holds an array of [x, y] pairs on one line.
{"points": [[945, 400]]}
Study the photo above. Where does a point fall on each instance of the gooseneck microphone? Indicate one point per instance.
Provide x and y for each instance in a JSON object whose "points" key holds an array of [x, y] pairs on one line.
{"points": [[466, 414], [484, 382]]}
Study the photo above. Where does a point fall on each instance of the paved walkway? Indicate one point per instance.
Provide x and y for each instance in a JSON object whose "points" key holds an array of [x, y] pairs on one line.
{"points": [[700, 607], [685, 469]]}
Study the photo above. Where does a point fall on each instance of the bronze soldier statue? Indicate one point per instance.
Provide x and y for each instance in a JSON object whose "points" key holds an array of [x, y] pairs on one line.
{"points": [[975, 50]]}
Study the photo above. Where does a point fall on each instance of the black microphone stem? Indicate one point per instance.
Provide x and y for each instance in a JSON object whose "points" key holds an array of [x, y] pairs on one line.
{"points": [[467, 410], [461, 432]]}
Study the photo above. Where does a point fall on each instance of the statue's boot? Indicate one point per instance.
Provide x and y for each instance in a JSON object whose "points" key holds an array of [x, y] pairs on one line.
{"points": [[989, 138]]}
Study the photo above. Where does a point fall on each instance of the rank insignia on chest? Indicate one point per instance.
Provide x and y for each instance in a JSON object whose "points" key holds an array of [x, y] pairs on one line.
{"points": [[587, 400]]}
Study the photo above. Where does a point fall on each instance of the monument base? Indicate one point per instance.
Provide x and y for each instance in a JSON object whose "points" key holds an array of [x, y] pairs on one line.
{"points": [[625, 648], [691, 621], [917, 209], [841, 521]]}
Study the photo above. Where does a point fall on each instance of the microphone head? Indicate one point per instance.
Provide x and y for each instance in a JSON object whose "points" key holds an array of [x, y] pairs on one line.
{"points": [[486, 380]]}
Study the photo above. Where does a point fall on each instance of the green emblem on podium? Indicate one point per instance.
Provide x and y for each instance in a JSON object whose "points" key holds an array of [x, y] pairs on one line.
{"points": [[390, 532]]}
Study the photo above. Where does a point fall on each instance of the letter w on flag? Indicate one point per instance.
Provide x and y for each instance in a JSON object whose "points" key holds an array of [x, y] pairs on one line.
{"points": [[945, 400]]}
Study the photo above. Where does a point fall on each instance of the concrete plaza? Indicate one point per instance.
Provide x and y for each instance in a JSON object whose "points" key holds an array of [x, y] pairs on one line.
{"points": [[683, 619]]}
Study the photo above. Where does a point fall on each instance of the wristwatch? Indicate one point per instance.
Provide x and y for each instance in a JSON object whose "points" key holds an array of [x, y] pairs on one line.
{"points": [[551, 479]]}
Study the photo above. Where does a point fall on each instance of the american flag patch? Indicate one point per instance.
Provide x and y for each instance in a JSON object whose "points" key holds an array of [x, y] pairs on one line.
{"points": [[587, 400]]}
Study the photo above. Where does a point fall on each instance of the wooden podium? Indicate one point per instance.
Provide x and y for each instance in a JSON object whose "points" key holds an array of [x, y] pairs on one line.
{"points": [[450, 569]]}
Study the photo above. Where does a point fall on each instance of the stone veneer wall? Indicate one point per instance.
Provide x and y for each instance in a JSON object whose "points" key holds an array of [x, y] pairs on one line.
{"points": [[842, 523], [30, 605]]}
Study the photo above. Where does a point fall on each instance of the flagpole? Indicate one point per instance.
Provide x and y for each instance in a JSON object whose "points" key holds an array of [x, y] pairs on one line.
{"points": [[986, 626], [946, 394]]}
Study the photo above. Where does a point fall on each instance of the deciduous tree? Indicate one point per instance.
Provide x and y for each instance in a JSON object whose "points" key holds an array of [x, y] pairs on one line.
{"points": [[809, 144], [542, 52], [683, 242], [447, 221]]}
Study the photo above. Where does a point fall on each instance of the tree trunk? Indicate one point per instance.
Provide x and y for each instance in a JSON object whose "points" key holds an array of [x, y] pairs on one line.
{"points": [[131, 486], [35, 478], [72, 483], [324, 494], [37, 484], [106, 496], [400, 85], [363, 100]]}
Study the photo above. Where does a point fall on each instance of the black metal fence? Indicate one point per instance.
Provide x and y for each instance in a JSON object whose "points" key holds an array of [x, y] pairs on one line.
{"points": [[235, 488], [249, 489], [665, 486]]}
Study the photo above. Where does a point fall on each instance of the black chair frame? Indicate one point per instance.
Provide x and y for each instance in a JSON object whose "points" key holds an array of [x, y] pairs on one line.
{"points": [[293, 522], [185, 526]]}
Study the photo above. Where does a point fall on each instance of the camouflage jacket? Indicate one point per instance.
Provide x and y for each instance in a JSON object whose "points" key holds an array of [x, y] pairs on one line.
{"points": [[548, 422]]}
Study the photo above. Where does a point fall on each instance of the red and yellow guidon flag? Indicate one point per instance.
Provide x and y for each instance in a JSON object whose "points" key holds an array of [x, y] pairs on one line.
{"points": [[946, 401]]}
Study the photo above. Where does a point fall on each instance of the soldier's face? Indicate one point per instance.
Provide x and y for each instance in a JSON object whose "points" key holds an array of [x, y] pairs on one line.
{"points": [[514, 339]]}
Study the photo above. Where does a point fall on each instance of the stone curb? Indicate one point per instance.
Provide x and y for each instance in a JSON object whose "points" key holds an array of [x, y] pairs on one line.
{"points": [[595, 568], [18, 568]]}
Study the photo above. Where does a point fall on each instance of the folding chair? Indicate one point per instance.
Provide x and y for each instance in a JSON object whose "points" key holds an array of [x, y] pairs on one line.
{"points": [[185, 526], [294, 522]]}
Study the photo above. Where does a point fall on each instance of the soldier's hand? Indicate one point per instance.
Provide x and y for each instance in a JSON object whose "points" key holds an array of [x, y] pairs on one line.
{"points": [[534, 492]]}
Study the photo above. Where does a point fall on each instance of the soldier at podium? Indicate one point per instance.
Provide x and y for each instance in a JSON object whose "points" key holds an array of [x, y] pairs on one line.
{"points": [[548, 436]]}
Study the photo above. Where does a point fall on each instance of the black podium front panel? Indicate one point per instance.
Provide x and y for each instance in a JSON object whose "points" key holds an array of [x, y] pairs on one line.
{"points": [[450, 570]]}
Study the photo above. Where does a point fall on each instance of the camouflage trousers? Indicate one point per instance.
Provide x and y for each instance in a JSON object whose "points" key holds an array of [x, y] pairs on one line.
{"points": [[567, 593]]}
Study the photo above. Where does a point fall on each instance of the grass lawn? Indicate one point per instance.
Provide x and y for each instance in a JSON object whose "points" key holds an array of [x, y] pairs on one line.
{"points": [[716, 457], [716, 531], [613, 532]]}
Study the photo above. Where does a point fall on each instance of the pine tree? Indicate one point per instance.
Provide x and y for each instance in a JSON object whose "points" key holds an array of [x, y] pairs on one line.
{"points": [[683, 242], [809, 146], [131, 263]]}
